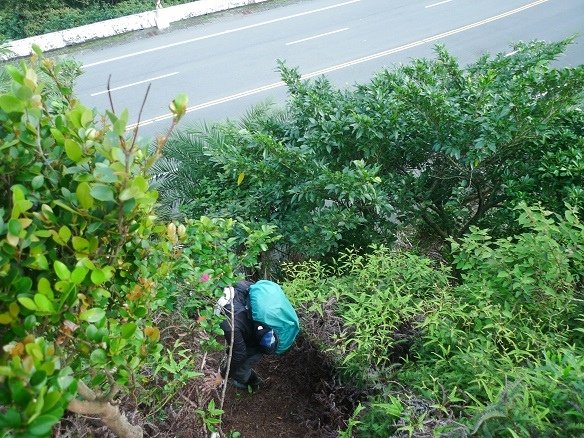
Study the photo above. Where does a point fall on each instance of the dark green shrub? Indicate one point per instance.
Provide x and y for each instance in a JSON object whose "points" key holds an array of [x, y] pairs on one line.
{"points": [[244, 170], [454, 147], [430, 147]]}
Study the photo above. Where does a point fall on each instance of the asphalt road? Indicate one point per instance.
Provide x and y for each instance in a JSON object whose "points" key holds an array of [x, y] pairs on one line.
{"points": [[226, 62]]}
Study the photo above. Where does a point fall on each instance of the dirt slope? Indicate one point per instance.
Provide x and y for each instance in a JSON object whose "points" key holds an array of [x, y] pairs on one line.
{"points": [[298, 397]]}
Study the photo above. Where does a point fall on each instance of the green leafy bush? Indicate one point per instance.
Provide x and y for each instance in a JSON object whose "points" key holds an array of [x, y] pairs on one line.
{"points": [[86, 269], [430, 148], [366, 308], [81, 256], [243, 170], [497, 355], [487, 339]]}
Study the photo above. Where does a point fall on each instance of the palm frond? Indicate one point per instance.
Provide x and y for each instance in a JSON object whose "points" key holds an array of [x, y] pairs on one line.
{"points": [[164, 171]]}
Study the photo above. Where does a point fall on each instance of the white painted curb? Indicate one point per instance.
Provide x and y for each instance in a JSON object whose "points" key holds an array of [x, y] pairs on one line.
{"points": [[161, 18]]}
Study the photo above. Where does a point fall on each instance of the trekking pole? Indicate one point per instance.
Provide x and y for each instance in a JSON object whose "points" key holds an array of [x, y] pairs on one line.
{"points": [[231, 341]]}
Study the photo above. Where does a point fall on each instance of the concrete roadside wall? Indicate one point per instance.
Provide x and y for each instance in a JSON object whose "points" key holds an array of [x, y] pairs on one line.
{"points": [[160, 18]]}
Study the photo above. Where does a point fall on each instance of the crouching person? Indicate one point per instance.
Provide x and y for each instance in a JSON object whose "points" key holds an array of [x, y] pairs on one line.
{"points": [[251, 340]]}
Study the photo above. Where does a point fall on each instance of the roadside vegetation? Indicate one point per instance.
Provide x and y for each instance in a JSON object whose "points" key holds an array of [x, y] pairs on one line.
{"points": [[427, 225], [26, 18]]}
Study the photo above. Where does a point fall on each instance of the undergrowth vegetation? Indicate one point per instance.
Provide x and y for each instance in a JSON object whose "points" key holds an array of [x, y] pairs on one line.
{"points": [[498, 353]]}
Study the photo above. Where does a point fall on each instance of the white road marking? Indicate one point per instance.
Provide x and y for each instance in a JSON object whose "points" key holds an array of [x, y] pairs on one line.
{"points": [[439, 3], [317, 36], [424, 41], [135, 83], [347, 64], [213, 103], [225, 32]]}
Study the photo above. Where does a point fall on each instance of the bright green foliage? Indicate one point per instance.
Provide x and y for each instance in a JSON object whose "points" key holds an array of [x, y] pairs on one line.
{"points": [[379, 298], [487, 338], [80, 252], [544, 398], [211, 416], [534, 271], [499, 354]]}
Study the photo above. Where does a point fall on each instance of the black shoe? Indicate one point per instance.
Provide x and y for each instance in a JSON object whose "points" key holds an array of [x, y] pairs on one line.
{"points": [[253, 379], [238, 384]]}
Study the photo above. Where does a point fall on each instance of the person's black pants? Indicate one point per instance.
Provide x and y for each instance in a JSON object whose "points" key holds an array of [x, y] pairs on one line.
{"points": [[243, 373]]}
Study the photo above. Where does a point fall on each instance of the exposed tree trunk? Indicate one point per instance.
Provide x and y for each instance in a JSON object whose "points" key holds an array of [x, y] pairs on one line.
{"points": [[110, 414]]}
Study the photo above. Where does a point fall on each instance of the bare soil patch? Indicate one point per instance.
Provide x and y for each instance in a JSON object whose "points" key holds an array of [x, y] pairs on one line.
{"points": [[300, 396]]}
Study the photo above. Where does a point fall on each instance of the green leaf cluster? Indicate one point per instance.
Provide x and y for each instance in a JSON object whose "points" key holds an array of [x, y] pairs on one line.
{"points": [[81, 254], [213, 253], [498, 354], [378, 301]]}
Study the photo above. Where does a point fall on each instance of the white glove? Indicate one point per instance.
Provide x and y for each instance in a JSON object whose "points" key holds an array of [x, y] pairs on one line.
{"points": [[228, 295]]}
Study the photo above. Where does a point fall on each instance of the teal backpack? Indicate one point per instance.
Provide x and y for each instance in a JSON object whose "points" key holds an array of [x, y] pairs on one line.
{"points": [[270, 306]]}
